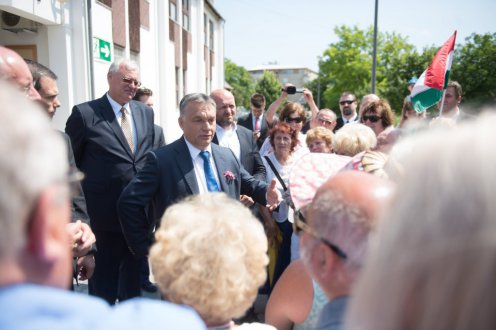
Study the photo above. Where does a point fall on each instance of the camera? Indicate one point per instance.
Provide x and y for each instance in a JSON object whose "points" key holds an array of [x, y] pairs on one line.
{"points": [[292, 90]]}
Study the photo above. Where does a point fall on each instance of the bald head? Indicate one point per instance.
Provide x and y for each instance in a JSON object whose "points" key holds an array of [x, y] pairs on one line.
{"points": [[226, 107], [345, 209], [15, 70], [369, 193]]}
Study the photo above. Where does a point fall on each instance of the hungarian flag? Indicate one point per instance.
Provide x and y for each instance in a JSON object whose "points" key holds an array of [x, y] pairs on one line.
{"points": [[429, 87]]}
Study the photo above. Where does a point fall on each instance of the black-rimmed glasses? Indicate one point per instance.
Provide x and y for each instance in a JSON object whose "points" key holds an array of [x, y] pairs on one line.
{"points": [[300, 225]]}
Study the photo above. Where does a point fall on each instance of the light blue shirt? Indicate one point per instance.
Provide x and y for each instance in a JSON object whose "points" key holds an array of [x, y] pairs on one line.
{"points": [[29, 306]]}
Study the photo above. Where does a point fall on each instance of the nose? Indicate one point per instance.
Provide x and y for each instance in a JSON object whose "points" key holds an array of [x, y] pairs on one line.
{"points": [[56, 103], [33, 94]]}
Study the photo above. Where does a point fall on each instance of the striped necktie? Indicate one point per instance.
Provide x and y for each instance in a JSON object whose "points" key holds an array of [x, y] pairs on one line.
{"points": [[126, 129]]}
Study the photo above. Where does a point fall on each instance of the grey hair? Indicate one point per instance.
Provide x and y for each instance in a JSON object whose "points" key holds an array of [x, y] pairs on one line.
{"points": [[34, 156], [328, 111], [433, 263], [353, 138], [197, 98], [343, 223], [129, 64]]}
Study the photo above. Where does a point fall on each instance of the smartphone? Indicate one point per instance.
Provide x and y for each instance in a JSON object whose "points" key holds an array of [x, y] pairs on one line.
{"points": [[292, 90]]}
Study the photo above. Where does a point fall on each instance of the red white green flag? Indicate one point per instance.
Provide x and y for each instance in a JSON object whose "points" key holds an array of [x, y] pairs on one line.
{"points": [[429, 87]]}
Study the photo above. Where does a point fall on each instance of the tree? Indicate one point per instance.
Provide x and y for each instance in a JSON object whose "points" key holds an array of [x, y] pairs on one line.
{"points": [[474, 67], [269, 86], [347, 66], [241, 82]]}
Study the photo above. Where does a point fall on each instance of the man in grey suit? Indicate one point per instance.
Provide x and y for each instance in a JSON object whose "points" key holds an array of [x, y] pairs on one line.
{"points": [[110, 137], [190, 165]]}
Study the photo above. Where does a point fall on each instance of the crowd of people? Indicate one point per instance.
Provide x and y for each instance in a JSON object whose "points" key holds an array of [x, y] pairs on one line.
{"points": [[345, 222]]}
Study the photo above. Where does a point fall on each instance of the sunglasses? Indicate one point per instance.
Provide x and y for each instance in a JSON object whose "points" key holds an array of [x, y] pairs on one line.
{"points": [[372, 118], [346, 102], [293, 120], [135, 82], [300, 225]]}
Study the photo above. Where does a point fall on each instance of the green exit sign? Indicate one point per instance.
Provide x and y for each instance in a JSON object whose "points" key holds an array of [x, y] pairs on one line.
{"points": [[101, 49]]}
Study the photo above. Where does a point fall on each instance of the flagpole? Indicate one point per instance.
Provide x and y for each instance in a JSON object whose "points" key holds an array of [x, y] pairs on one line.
{"points": [[442, 103]]}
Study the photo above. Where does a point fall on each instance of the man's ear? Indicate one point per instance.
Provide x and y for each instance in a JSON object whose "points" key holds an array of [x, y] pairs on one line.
{"points": [[46, 231], [324, 261], [180, 122]]}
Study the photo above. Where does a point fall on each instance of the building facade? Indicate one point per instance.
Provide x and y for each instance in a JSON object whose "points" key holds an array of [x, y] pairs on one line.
{"points": [[178, 44], [298, 76]]}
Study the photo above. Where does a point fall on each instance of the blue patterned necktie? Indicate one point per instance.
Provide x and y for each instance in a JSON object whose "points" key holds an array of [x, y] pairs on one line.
{"points": [[209, 173]]}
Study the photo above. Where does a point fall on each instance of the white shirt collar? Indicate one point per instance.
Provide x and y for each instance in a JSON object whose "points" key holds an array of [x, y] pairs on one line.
{"points": [[116, 106], [194, 151]]}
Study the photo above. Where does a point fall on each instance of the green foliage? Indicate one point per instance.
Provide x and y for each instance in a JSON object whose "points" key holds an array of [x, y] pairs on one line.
{"points": [[269, 86], [346, 65], [474, 66], [241, 82]]}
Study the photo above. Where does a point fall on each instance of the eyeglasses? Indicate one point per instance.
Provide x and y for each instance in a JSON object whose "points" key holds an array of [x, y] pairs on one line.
{"points": [[372, 118], [324, 121], [293, 120], [346, 102], [300, 225], [135, 82]]}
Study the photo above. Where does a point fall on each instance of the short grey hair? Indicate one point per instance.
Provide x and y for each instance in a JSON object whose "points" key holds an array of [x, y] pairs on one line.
{"points": [[329, 112], [129, 64], [433, 262], [343, 223], [34, 156], [197, 98]]}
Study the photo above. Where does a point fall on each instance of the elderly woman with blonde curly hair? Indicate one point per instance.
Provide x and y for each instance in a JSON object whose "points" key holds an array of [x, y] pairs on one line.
{"points": [[211, 254]]}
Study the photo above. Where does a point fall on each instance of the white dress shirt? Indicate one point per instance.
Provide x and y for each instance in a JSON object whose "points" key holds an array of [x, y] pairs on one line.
{"points": [[118, 114], [198, 166], [228, 138]]}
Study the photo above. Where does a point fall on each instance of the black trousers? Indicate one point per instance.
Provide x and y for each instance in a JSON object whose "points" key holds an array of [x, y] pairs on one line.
{"points": [[117, 272]]}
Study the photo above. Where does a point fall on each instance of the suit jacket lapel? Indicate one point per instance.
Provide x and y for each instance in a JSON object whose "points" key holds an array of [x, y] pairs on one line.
{"points": [[139, 123], [109, 115], [185, 164], [222, 165]]}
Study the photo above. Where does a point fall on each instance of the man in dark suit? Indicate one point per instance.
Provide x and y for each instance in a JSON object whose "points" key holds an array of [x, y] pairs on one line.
{"points": [[190, 165], [348, 106], [110, 137], [255, 121], [237, 138], [45, 83], [145, 95]]}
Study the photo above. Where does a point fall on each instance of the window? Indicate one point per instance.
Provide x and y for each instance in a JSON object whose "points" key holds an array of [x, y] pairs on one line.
{"points": [[205, 29], [172, 11], [186, 22], [185, 6], [211, 34]]}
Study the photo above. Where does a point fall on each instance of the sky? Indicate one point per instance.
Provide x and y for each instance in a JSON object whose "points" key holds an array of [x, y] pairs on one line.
{"points": [[296, 32]]}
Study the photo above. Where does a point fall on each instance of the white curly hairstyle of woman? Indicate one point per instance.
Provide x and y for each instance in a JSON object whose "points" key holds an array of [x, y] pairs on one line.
{"points": [[211, 254], [433, 263]]}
